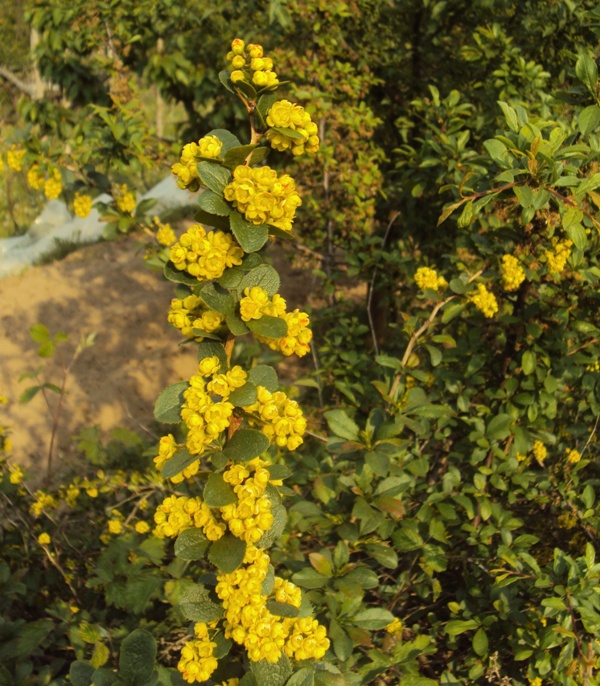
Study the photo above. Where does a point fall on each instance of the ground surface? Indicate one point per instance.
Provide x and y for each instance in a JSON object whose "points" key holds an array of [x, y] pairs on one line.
{"points": [[103, 288]]}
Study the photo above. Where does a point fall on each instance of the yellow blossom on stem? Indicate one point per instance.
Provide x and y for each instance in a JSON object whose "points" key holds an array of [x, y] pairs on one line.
{"points": [[124, 199], [205, 255], [427, 278], [573, 456], [44, 539], [485, 301], [540, 452], [512, 273], [285, 115], [53, 185], [14, 157], [394, 627], [557, 258], [82, 205]]}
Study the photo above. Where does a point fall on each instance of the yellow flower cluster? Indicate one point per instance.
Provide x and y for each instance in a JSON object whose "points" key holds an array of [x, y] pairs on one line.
{"points": [[115, 526], [251, 516], [16, 474], [485, 301], [43, 501], [557, 258], [44, 539], [249, 64], [593, 367], [142, 527], [263, 197], [204, 418], [540, 451], [82, 205], [189, 313], [14, 157], [186, 170], [197, 662], [394, 628], [573, 456], [257, 303], [178, 513], [427, 278], [512, 273], [535, 682], [205, 255], [35, 178], [53, 185], [167, 447], [281, 419], [164, 232], [284, 114], [124, 199], [249, 623]]}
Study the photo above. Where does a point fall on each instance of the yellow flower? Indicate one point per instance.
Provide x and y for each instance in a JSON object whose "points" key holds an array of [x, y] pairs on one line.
{"points": [[539, 451], [394, 627], [115, 526], [557, 258], [427, 278], [284, 114], [16, 473], [82, 205], [205, 255], [210, 146], [142, 527], [53, 185], [535, 682], [164, 234], [124, 199], [14, 157], [512, 273], [485, 301], [34, 178], [573, 456], [92, 492], [44, 539]]}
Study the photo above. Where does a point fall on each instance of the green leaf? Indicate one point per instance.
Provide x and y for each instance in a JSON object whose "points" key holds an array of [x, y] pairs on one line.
{"points": [[29, 393], [264, 104], [213, 176], [191, 544], [225, 79], [280, 471], [236, 325], [251, 237], [80, 673], [528, 362], [178, 463], [236, 156], [373, 618], [451, 311], [264, 276], [303, 677], [341, 425], [217, 492], [588, 119], [105, 677], [39, 333], [279, 518], [217, 298], [290, 133], [168, 404], [212, 220], [458, 626], [265, 376], [226, 137], [244, 396], [269, 327], [213, 203], [510, 115], [177, 276], [281, 609], [259, 155], [100, 655], [310, 578], [47, 349], [231, 278], [197, 605], [246, 444], [587, 73], [269, 674], [227, 553], [480, 642], [137, 658], [499, 427]]}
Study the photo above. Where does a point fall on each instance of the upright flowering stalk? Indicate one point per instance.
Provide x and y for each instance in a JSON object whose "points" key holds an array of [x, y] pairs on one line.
{"points": [[229, 508]]}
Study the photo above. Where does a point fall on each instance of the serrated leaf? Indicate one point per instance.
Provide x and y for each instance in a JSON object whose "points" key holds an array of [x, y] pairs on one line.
{"points": [[177, 276], [191, 544], [197, 605], [213, 176], [246, 444], [168, 404], [244, 396], [264, 276], [227, 553], [265, 376], [217, 492], [137, 658], [269, 674], [251, 237], [212, 220], [100, 655], [39, 333], [217, 298], [281, 609], [214, 203], [178, 463], [269, 327]]}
